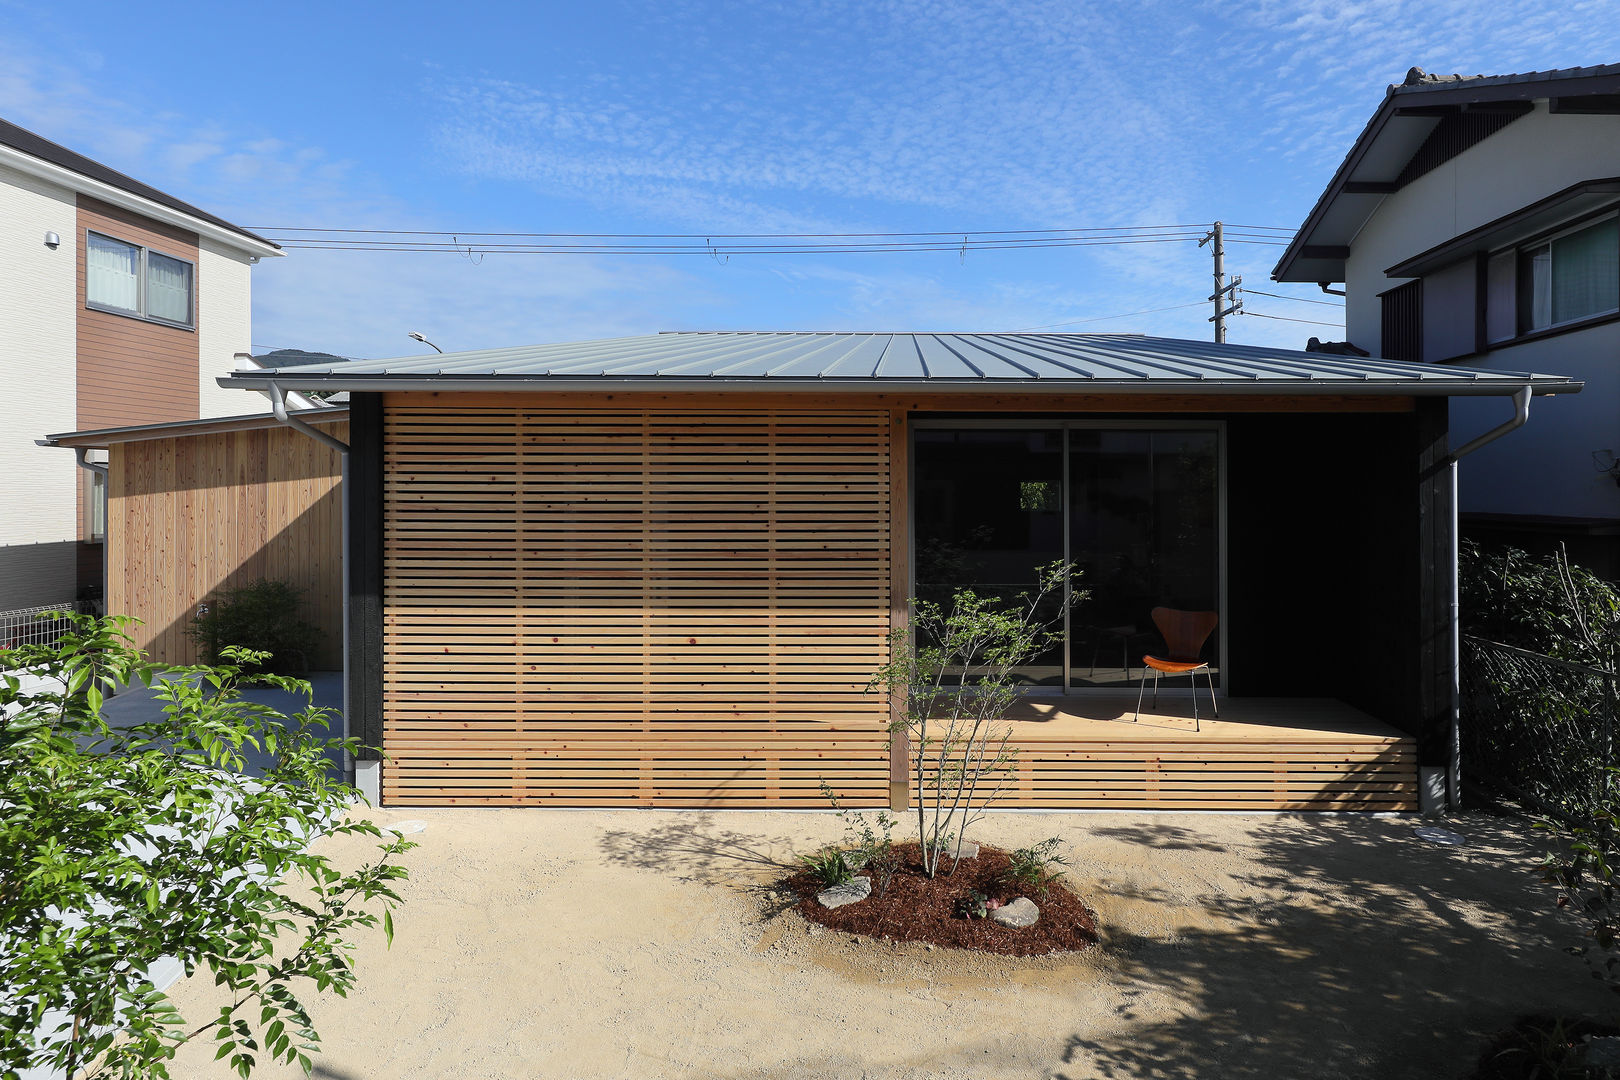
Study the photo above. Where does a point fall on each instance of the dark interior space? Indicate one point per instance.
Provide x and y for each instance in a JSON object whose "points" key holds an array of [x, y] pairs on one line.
{"points": [[1324, 559]]}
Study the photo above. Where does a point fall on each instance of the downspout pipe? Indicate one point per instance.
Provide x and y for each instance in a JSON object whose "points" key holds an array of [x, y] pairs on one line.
{"points": [[1521, 415], [82, 456], [278, 407]]}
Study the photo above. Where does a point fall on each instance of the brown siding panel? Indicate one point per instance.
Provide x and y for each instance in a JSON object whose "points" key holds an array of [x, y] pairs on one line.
{"points": [[132, 371], [634, 607], [188, 517]]}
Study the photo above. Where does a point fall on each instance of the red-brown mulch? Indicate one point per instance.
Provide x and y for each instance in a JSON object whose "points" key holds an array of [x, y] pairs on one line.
{"points": [[913, 908]]}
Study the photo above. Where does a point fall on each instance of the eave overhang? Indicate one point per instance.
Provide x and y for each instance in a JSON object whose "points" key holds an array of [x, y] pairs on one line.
{"points": [[1588, 196], [101, 438], [1437, 387], [1397, 129]]}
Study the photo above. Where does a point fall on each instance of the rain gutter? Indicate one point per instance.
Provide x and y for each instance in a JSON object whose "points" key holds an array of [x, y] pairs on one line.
{"points": [[1414, 387]]}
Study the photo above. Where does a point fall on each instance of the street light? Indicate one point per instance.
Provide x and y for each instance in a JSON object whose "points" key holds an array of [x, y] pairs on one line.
{"points": [[425, 341]]}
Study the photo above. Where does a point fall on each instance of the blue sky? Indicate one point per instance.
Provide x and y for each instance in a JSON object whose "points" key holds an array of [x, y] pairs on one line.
{"points": [[807, 116]]}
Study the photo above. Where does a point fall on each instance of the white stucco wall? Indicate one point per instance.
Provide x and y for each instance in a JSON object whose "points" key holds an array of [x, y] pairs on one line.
{"points": [[38, 524], [1546, 468], [224, 328]]}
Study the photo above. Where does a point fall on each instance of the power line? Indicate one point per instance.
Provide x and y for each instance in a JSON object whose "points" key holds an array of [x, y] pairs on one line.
{"points": [[1296, 299], [724, 245], [1109, 318], [1285, 318], [747, 236], [726, 250]]}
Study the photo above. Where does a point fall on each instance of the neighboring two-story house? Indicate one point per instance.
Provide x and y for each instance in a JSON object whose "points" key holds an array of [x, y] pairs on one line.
{"points": [[119, 304], [1476, 221]]}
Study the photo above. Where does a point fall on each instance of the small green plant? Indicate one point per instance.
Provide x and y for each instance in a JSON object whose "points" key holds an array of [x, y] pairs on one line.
{"points": [[975, 905], [831, 866], [261, 616], [871, 842], [1034, 867]]}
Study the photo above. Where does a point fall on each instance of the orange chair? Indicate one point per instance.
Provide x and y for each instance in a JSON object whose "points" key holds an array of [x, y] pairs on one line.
{"points": [[1184, 635]]}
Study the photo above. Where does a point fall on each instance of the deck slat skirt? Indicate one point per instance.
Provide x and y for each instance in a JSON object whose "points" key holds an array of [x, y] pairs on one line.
{"points": [[629, 607], [620, 606]]}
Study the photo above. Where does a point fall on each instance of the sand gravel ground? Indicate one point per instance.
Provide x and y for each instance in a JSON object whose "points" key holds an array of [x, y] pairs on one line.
{"points": [[642, 944]]}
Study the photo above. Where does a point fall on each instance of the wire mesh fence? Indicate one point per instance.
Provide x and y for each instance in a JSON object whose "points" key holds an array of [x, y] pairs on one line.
{"points": [[1538, 728], [35, 625]]}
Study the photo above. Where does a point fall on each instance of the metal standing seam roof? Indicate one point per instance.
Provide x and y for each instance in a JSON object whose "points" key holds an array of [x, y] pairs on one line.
{"points": [[1108, 363]]}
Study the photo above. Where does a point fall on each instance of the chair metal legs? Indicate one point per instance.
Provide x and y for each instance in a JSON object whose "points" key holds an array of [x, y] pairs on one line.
{"points": [[1192, 677]]}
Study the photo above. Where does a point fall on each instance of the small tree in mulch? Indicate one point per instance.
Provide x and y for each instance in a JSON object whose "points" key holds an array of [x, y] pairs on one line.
{"points": [[954, 668]]}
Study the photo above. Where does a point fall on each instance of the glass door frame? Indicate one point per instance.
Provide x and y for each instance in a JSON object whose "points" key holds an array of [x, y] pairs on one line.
{"points": [[982, 422]]}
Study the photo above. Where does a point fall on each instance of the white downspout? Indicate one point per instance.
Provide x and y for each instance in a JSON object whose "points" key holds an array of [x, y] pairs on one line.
{"points": [[1521, 414]]}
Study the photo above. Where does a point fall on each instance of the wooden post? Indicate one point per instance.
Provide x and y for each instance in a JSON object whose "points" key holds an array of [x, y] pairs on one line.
{"points": [[1435, 552], [899, 598], [365, 582]]}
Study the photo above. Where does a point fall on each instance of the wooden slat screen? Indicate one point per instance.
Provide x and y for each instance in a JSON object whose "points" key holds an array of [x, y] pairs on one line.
{"points": [[633, 607], [1200, 773]]}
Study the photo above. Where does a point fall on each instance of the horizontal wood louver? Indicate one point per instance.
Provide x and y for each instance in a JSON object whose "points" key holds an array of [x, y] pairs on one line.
{"points": [[632, 607], [1203, 773]]}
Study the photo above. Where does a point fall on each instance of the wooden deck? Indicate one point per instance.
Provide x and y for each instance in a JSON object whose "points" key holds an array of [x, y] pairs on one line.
{"points": [[1261, 754]]}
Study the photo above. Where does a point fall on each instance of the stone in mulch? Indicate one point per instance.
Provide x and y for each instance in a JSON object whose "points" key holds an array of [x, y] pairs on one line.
{"points": [[1017, 913], [970, 850], [855, 889]]}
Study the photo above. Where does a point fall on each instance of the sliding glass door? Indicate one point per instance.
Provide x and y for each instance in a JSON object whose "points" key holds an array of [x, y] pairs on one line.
{"points": [[1135, 507]]}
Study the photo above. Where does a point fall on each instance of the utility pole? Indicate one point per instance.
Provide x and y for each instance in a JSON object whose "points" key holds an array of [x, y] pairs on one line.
{"points": [[1221, 286]]}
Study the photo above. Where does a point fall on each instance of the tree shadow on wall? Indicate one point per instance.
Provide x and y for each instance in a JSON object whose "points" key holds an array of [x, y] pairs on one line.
{"points": [[1353, 948]]}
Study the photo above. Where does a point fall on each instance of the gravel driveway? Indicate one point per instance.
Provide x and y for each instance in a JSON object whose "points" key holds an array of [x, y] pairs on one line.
{"points": [[642, 944]]}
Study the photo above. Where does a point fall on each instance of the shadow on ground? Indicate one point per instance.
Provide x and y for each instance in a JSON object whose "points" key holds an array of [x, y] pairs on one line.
{"points": [[1355, 950], [696, 847]]}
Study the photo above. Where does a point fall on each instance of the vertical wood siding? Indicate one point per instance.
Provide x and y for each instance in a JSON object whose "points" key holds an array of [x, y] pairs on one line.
{"points": [[634, 607], [190, 516]]}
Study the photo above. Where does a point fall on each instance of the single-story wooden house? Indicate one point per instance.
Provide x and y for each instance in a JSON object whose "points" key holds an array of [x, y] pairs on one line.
{"points": [[660, 571]]}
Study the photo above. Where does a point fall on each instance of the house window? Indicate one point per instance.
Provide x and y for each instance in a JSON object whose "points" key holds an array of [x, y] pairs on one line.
{"points": [[128, 279], [1402, 323], [1562, 279]]}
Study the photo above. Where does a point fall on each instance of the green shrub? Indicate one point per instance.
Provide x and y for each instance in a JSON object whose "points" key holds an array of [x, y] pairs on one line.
{"points": [[261, 616], [1034, 867], [831, 866]]}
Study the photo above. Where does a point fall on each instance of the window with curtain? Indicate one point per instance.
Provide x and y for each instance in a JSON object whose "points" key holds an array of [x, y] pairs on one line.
{"points": [[168, 288], [112, 274], [132, 280], [1569, 277]]}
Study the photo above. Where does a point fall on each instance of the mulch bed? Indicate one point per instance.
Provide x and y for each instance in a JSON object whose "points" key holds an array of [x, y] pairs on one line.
{"points": [[1541, 1047], [913, 908]]}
